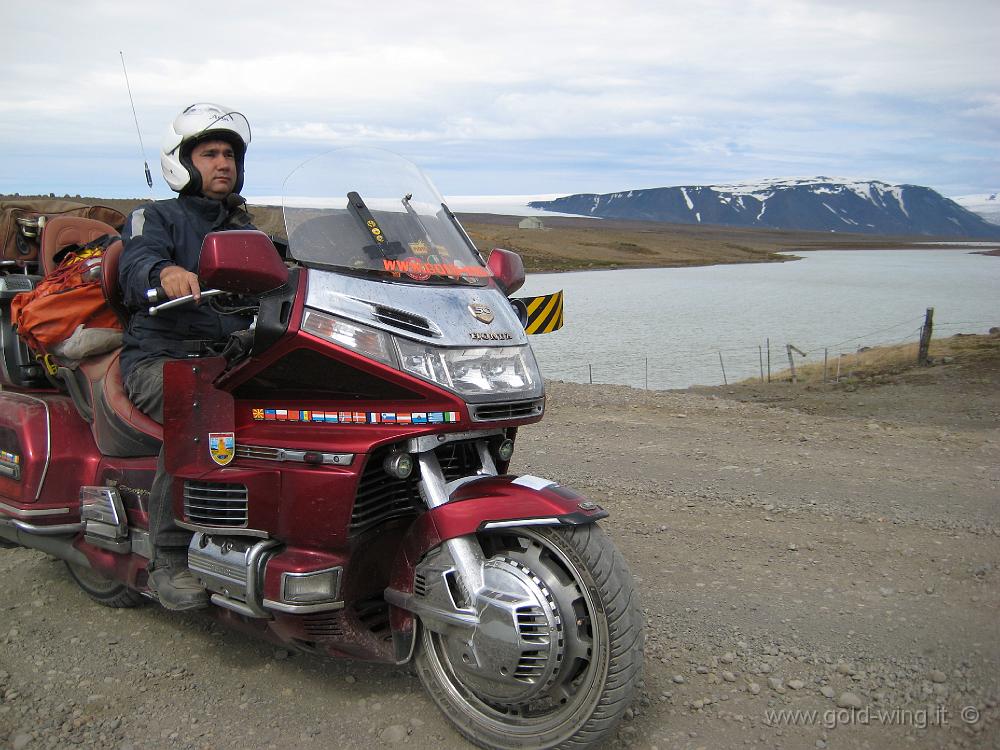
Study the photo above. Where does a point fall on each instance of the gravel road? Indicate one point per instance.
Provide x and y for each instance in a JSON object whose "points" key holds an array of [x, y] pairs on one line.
{"points": [[832, 552]]}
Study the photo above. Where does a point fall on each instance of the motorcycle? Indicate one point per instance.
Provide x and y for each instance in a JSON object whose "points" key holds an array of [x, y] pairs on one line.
{"points": [[342, 466]]}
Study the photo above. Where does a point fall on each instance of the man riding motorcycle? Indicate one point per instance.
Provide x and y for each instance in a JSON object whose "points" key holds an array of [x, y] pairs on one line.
{"points": [[202, 159], [348, 479]]}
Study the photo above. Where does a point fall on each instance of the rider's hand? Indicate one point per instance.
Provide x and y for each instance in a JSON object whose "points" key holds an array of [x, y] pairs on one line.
{"points": [[177, 282]]}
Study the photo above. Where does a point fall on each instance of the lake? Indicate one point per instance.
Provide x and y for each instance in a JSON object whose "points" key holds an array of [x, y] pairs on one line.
{"points": [[666, 327]]}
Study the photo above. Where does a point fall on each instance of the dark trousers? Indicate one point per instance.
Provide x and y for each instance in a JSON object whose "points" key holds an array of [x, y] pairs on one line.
{"points": [[144, 387]]}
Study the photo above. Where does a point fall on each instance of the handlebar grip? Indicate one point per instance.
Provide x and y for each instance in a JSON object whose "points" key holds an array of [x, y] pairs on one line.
{"points": [[157, 295]]}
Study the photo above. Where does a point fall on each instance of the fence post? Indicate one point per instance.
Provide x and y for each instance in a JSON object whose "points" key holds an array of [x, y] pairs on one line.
{"points": [[647, 373], [590, 370], [791, 362], [925, 337], [826, 352], [769, 359], [724, 381], [760, 354]]}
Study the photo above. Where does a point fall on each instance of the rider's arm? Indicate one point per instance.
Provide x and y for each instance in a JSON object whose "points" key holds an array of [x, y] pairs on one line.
{"points": [[149, 259]]}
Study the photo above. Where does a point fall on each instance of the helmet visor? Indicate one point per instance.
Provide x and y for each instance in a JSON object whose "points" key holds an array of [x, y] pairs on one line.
{"points": [[203, 119]]}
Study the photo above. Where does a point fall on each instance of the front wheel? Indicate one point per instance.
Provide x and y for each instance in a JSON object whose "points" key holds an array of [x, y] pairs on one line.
{"points": [[577, 645]]}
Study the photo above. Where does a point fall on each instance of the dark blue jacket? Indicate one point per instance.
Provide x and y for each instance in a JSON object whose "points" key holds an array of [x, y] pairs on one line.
{"points": [[171, 232]]}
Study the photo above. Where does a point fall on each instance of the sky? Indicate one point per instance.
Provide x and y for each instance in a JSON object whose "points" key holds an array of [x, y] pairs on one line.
{"points": [[502, 98]]}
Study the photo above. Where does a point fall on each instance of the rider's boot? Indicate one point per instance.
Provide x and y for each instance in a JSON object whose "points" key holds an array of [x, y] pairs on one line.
{"points": [[169, 576], [177, 588]]}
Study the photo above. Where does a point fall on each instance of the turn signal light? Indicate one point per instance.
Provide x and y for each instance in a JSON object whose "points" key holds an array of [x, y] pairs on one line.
{"points": [[311, 588]]}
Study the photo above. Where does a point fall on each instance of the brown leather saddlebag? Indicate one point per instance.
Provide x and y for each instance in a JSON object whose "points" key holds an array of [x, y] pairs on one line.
{"points": [[21, 223]]}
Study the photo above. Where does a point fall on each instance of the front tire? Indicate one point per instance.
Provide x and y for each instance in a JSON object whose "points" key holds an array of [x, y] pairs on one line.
{"points": [[600, 661], [103, 590]]}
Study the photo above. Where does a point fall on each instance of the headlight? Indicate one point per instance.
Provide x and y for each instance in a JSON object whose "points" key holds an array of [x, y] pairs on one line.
{"points": [[507, 370], [370, 342], [482, 370]]}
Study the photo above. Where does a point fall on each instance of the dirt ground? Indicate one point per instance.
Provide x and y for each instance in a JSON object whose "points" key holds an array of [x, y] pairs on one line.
{"points": [[829, 550]]}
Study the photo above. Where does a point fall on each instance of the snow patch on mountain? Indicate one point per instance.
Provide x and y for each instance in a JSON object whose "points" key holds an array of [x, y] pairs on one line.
{"points": [[687, 199], [897, 192], [873, 191]]}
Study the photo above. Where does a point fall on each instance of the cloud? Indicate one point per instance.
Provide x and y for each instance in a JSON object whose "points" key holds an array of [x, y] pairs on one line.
{"points": [[714, 84]]}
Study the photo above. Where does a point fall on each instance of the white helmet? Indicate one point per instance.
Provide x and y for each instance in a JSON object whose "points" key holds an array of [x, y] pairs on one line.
{"points": [[201, 122]]}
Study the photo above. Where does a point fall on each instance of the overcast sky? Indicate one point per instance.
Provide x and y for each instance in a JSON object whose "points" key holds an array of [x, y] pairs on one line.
{"points": [[512, 97]]}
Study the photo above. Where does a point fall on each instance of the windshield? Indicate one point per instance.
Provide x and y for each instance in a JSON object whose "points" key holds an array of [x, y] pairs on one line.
{"points": [[372, 212]]}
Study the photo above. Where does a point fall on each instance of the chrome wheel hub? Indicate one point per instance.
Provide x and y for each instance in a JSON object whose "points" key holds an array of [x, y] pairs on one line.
{"points": [[515, 651]]}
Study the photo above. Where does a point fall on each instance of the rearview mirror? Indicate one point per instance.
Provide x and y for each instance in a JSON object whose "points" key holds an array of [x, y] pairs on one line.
{"points": [[241, 261], [507, 268]]}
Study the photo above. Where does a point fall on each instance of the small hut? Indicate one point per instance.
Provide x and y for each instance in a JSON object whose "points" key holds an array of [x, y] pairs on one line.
{"points": [[531, 222]]}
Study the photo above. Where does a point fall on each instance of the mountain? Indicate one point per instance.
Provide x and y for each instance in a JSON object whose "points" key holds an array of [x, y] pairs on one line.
{"points": [[820, 204], [987, 205]]}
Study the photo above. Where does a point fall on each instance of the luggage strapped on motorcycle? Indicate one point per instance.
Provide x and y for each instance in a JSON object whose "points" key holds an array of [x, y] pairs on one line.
{"points": [[66, 316], [22, 221]]}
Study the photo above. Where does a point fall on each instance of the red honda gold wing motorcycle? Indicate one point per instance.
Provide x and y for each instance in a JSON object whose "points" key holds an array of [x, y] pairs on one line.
{"points": [[343, 466]]}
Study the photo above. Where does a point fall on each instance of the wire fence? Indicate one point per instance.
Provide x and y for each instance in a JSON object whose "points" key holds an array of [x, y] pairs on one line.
{"points": [[767, 361]]}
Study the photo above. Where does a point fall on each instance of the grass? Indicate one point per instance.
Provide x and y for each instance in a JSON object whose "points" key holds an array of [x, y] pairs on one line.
{"points": [[887, 361], [578, 244]]}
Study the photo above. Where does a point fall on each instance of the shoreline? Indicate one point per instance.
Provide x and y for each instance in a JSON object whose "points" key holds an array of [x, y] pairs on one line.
{"points": [[877, 365], [785, 256], [581, 244], [788, 256]]}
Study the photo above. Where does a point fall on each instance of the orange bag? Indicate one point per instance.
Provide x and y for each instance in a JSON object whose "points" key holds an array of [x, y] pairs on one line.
{"points": [[68, 297]]}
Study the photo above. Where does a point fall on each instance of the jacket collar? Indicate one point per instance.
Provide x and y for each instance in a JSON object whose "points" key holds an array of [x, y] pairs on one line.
{"points": [[231, 210]]}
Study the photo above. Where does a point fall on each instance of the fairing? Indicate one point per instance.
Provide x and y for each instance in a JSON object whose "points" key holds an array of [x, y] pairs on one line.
{"points": [[385, 252]]}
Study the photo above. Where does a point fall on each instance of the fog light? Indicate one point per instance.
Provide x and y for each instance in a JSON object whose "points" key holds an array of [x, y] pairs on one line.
{"points": [[398, 464], [311, 588], [506, 450]]}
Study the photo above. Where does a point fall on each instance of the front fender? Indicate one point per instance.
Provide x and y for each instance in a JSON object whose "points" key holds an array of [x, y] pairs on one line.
{"points": [[492, 502], [481, 505]]}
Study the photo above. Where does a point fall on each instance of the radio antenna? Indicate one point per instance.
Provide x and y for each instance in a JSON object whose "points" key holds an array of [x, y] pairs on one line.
{"points": [[142, 149]]}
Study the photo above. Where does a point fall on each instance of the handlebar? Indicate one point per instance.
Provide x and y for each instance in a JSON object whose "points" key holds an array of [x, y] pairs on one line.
{"points": [[154, 295]]}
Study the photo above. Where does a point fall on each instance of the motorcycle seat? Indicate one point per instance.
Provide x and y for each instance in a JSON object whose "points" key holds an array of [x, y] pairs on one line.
{"points": [[119, 428], [61, 231], [109, 280]]}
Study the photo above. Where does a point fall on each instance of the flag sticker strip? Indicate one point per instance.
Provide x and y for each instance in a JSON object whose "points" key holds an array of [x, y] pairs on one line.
{"points": [[352, 417], [11, 458], [545, 313]]}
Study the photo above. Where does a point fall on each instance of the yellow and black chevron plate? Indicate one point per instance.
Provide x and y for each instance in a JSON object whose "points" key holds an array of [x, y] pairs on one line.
{"points": [[545, 313]]}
